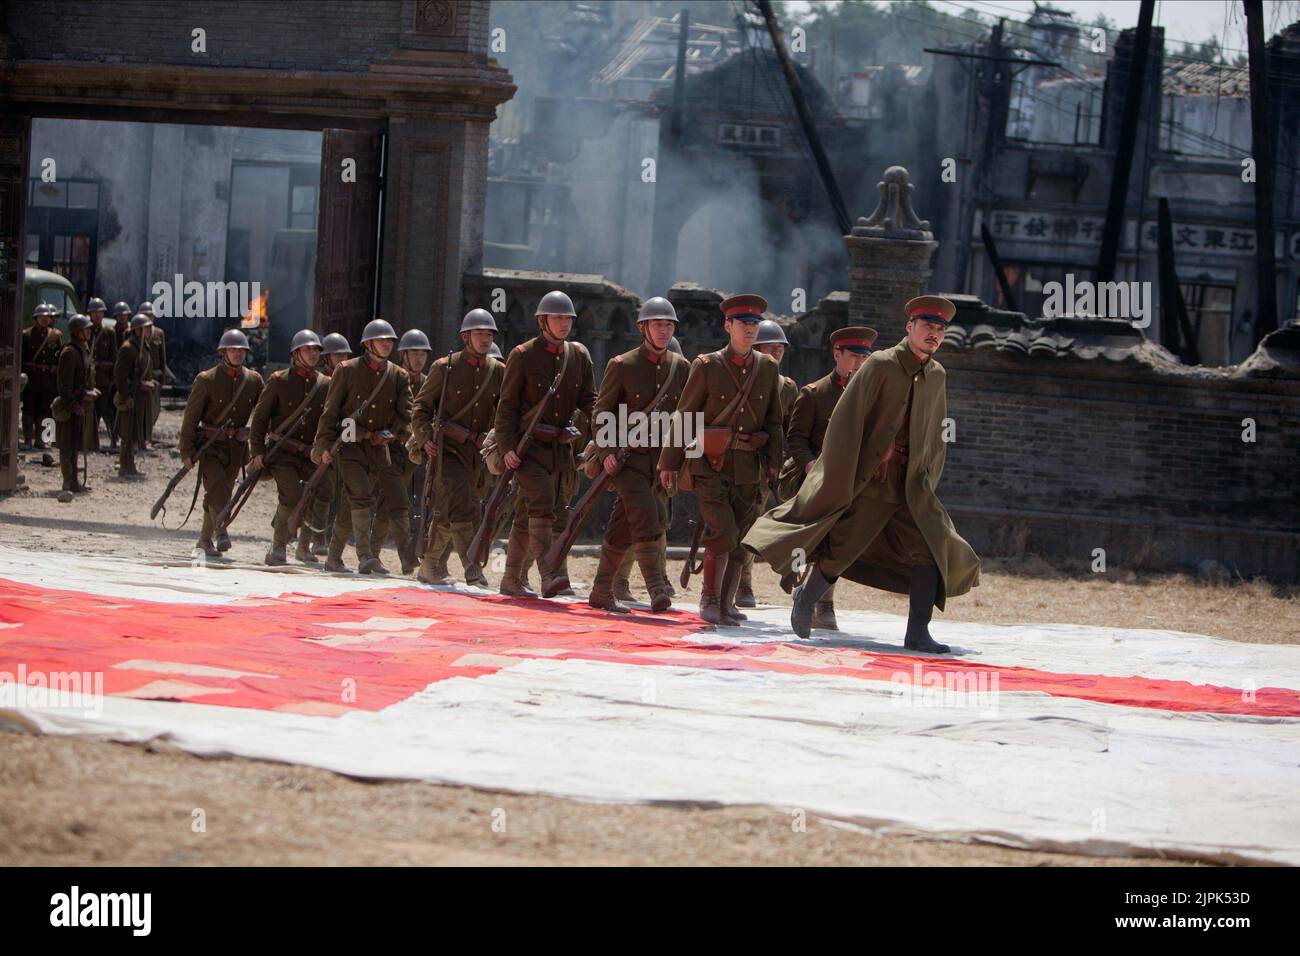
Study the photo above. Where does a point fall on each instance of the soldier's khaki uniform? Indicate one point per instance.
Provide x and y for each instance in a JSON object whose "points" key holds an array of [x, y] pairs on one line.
{"points": [[131, 370], [473, 387], [211, 409], [639, 519], [530, 369], [40, 358], [812, 413], [158, 355], [103, 355], [366, 461], [291, 465], [777, 453], [406, 471], [728, 495], [71, 434]]}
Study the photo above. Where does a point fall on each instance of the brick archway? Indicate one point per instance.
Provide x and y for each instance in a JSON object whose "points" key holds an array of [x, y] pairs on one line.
{"points": [[406, 85]]}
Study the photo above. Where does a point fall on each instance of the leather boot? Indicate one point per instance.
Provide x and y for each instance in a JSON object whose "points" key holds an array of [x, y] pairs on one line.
{"points": [[207, 547], [223, 541], [745, 592], [715, 566], [514, 582], [404, 541], [663, 564], [205, 542], [923, 590], [805, 600], [648, 557], [433, 569], [362, 529], [730, 584], [320, 543], [622, 578], [563, 572], [824, 613], [539, 533], [602, 593], [276, 556], [303, 553], [334, 556], [462, 535]]}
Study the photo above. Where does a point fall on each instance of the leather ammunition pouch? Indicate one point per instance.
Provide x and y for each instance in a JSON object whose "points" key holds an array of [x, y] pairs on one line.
{"points": [[59, 411], [228, 433]]}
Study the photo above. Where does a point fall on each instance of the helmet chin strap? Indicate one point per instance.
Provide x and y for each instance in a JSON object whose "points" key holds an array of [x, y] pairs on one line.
{"points": [[645, 337], [545, 322]]}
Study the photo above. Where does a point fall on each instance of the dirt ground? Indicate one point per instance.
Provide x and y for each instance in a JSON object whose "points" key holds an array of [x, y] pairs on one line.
{"points": [[67, 801]]}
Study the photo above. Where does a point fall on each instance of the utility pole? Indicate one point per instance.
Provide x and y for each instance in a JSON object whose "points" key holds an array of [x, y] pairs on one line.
{"points": [[679, 75], [1119, 176], [806, 121], [1261, 147]]}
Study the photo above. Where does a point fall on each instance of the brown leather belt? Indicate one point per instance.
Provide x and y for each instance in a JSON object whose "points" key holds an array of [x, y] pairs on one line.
{"points": [[374, 437], [548, 434], [291, 445], [752, 441], [232, 434]]}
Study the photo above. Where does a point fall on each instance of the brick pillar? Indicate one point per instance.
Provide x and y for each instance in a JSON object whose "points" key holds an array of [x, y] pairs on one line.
{"points": [[890, 259]]}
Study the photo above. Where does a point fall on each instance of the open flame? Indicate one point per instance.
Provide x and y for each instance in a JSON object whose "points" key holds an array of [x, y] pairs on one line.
{"points": [[256, 316]]}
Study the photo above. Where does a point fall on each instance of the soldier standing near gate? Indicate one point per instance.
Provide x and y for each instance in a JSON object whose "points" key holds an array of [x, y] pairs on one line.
{"points": [[157, 342], [103, 352], [633, 382], [367, 409], [40, 357], [471, 379], [220, 403], [868, 510], [73, 406], [132, 384], [298, 390], [530, 370], [738, 391]]}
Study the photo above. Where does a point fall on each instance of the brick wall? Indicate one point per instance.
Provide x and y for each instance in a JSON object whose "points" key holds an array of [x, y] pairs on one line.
{"points": [[333, 35], [1078, 454]]}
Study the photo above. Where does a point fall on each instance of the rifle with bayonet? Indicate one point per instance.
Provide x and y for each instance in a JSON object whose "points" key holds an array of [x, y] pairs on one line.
{"points": [[482, 543], [432, 472], [218, 431], [279, 435]]}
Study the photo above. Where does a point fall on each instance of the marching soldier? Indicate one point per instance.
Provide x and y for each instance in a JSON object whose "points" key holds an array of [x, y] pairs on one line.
{"points": [[472, 380], [807, 430], [40, 357], [368, 407], [413, 351], [103, 353], [158, 355], [298, 390], [867, 509], [74, 404], [738, 391], [122, 318], [530, 369], [220, 403], [335, 351], [132, 384], [639, 521], [622, 582], [771, 342]]}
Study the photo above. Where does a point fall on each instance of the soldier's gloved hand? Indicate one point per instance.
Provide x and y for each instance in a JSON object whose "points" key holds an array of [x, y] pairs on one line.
{"points": [[326, 457], [257, 463], [611, 465], [187, 462], [666, 478], [512, 460], [430, 448]]}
